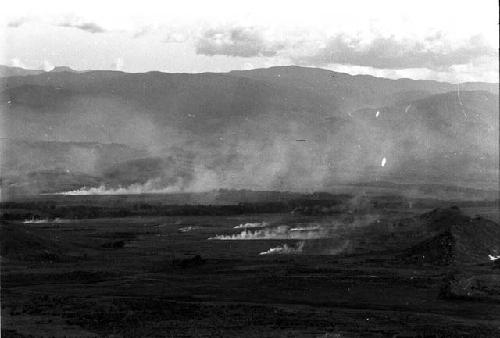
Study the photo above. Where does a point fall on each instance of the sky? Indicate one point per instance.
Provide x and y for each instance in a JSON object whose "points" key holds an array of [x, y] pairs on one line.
{"points": [[454, 41]]}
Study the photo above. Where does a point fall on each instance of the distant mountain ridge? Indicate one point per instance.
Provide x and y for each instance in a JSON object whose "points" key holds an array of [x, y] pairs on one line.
{"points": [[6, 71], [240, 129], [333, 85]]}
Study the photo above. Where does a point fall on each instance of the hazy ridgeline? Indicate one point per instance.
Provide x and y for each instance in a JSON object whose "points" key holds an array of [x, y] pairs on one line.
{"points": [[282, 128]]}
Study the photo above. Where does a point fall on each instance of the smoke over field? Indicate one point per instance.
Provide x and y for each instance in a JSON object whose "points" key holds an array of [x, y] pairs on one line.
{"points": [[285, 249], [251, 225], [280, 232], [249, 169], [328, 237], [258, 132]]}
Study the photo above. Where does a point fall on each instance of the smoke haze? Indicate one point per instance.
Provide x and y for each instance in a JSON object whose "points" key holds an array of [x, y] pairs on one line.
{"points": [[246, 130]]}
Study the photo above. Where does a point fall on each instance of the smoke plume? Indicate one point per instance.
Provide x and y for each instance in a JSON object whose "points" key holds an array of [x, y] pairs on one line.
{"points": [[251, 225], [280, 232], [285, 249]]}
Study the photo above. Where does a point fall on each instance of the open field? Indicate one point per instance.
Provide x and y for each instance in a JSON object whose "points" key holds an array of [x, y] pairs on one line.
{"points": [[140, 276]]}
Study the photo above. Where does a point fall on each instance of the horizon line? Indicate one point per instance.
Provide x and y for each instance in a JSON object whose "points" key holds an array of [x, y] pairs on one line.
{"points": [[238, 70]]}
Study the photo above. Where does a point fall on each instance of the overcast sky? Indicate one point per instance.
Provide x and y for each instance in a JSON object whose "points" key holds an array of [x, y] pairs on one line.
{"points": [[443, 40]]}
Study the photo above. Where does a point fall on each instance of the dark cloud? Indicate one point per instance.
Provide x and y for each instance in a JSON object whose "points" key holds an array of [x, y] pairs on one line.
{"points": [[391, 53], [237, 41], [90, 27]]}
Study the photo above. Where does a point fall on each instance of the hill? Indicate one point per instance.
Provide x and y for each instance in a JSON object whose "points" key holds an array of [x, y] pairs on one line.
{"points": [[6, 71], [457, 239], [358, 91], [241, 129]]}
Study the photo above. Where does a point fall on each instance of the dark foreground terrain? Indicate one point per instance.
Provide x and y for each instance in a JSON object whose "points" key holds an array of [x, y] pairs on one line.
{"points": [[388, 271]]}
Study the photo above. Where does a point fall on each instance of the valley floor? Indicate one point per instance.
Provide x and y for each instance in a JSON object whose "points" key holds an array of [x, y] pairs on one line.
{"points": [[140, 277]]}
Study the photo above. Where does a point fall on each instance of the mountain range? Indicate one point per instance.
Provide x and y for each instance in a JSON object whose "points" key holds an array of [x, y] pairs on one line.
{"points": [[280, 128]]}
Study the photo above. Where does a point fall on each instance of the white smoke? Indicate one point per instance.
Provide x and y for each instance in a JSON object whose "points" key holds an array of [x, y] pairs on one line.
{"points": [[188, 228], [203, 181], [306, 228], [285, 250], [118, 64], [47, 66], [35, 221], [251, 225], [299, 231], [16, 62], [61, 220], [45, 220], [338, 250], [281, 232], [133, 189], [310, 248], [493, 258]]}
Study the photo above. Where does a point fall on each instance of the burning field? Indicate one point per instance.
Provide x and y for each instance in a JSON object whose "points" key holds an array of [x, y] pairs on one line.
{"points": [[326, 238], [191, 169], [374, 272]]}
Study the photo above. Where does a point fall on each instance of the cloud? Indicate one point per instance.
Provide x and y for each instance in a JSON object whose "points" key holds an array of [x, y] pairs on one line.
{"points": [[167, 33], [90, 27], [248, 66], [118, 64], [47, 65], [17, 22], [433, 52], [236, 41], [16, 62], [483, 69], [141, 32], [175, 37]]}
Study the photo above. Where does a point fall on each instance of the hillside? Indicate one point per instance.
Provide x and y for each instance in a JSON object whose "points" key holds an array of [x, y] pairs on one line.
{"points": [[457, 239], [242, 129], [6, 71], [359, 91]]}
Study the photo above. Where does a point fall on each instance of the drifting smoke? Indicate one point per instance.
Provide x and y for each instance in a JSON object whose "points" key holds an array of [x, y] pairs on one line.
{"points": [[203, 181], [309, 248], [493, 258], [45, 220], [35, 221], [188, 228], [253, 149], [330, 238], [285, 250], [332, 229], [337, 250], [134, 189], [281, 232], [306, 228], [251, 225]]}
